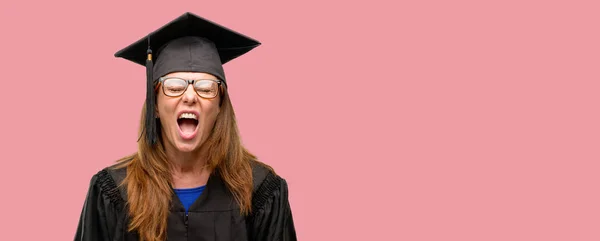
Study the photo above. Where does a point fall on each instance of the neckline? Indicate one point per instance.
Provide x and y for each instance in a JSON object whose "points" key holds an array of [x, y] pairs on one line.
{"points": [[177, 205], [189, 189]]}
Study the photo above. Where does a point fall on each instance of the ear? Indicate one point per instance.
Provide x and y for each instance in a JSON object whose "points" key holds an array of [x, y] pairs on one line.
{"points": [[221, 93], [156, 94]]}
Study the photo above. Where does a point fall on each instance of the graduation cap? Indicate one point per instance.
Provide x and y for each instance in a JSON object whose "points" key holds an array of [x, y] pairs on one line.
{"points": [[188, 43]]}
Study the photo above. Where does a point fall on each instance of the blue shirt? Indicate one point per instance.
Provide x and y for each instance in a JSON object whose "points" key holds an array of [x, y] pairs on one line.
{"points": [[188, 195]]}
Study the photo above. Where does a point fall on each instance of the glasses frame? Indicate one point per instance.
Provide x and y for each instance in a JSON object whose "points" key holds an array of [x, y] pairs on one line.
{"points": [[189, 82]]}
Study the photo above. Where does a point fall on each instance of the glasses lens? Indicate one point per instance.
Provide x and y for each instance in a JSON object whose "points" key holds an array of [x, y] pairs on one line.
{"points": [[207, 88], [174, 86]]}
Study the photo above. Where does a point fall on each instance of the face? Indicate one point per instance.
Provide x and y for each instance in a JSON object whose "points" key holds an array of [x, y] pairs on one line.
{"points": [[186, 120]]}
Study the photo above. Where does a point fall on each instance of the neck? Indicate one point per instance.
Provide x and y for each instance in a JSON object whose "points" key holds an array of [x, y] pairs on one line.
{"points": [[186, 162], [188, 169]]}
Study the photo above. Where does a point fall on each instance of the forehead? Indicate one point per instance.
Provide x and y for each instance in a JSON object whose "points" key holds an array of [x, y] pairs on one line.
{"points": [[191, 75]]}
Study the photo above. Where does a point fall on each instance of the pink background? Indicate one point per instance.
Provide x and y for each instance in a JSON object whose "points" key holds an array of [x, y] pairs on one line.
{"points": [[436, 120]]}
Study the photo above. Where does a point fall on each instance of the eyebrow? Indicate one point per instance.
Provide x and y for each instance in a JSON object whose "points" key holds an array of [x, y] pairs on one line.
{"points": [[207, 78]]}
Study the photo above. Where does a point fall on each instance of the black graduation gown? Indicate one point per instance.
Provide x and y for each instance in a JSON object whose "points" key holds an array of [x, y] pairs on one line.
{"points": [[214, 216]]}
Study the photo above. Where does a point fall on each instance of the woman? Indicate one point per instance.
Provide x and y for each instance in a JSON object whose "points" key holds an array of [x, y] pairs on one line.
{"points": [[191, 178]]}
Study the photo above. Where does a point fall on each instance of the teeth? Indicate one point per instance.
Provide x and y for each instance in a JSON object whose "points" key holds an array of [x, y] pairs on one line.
{"points": [[188, 116]]}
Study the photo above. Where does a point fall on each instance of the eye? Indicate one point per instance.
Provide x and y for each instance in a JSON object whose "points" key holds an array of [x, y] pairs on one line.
{"points": [[175, 88], [206, 86]]}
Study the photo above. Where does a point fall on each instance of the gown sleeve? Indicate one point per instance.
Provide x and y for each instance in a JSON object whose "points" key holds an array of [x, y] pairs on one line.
{"points": [[272, 219], [98, 217]]}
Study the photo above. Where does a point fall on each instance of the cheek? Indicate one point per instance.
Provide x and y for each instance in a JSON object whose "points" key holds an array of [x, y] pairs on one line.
{"points": [[211, 114], [164, 108]]}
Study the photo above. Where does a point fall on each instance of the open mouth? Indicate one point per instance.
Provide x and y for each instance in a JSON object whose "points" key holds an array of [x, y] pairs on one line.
{"points": [[188, 123]]}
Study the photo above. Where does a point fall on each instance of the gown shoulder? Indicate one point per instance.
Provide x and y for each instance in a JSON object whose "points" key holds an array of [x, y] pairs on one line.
{"points": [[102, 215], [271, 217]]}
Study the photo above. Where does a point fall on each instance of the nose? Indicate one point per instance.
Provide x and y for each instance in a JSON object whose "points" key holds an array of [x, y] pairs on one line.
{"points": [[189, 96]]}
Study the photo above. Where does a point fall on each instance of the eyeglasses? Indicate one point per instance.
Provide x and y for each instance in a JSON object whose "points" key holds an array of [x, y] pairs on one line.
{"points": [[205, 88]]}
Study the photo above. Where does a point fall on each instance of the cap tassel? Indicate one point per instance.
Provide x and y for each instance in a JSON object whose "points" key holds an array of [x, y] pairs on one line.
{"points": [[151, 135]]}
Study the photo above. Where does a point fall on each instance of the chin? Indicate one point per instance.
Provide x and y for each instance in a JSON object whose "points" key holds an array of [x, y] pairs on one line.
{"points": [[186, 147]]}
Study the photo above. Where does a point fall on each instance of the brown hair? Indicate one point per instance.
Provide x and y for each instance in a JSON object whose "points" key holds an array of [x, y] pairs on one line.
{"points": [[148, 179]]}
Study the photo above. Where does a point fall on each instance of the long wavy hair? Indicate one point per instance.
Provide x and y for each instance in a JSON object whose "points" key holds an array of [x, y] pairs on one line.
{"points": [[149, 178]]}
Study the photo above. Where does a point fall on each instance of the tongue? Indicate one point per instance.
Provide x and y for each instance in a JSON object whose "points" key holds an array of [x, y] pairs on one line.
{"points": [[187, 126]]}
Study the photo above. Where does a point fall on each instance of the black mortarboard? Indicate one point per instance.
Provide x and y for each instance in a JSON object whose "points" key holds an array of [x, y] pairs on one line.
{"points": [[188, 43]]}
